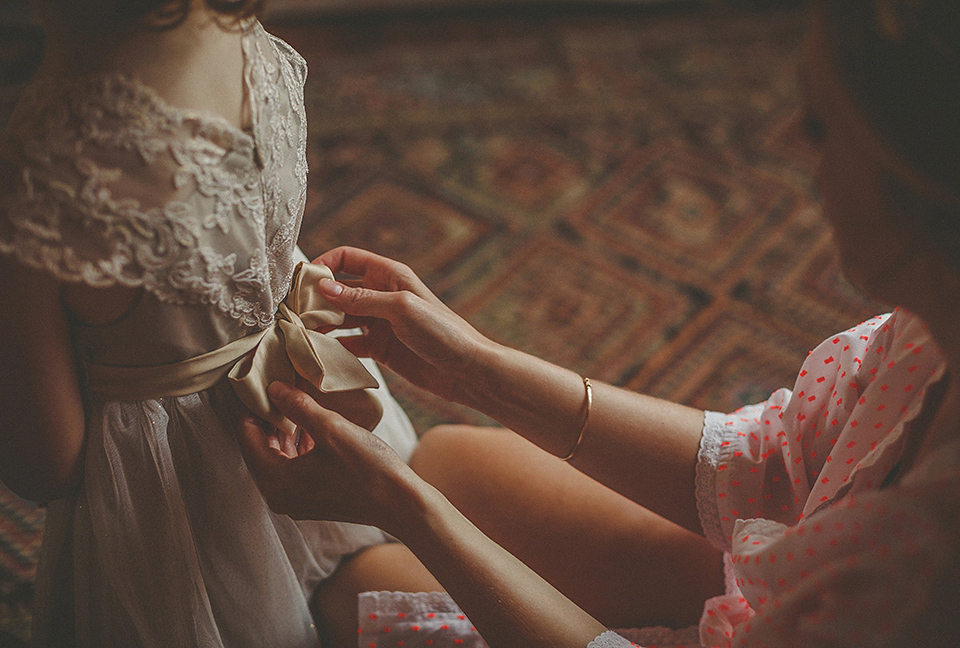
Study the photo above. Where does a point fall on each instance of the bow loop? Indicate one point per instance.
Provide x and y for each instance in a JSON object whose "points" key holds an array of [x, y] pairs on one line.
{"points": [[305, 299], [290, 347]]}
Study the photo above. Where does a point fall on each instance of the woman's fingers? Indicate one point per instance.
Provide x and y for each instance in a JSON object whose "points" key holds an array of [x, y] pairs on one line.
{"points": [[375, 271], [256, 446], [333, 259], [301, 408], [366, 302], [349, 260], [305, 442], [288, 444], [406, 327]]}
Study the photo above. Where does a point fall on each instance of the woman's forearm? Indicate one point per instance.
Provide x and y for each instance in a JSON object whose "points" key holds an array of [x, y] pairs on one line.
{"points": [[643, 447], [510, 605]]}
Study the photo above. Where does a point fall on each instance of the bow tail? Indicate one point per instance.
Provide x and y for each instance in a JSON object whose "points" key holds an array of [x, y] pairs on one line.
{"points": [[339, 379], [342, 382], [253, 373]]}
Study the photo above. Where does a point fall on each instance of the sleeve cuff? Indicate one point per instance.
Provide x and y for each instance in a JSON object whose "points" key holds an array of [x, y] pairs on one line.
{"points": [[708, 459]]}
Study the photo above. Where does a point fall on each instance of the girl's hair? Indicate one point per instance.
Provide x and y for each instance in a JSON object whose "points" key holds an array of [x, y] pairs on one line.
{"points": [[157, 14], [901, 61]]}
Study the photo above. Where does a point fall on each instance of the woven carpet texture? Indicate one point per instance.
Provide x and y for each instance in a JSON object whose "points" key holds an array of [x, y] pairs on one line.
{"points": [[623, 191]]}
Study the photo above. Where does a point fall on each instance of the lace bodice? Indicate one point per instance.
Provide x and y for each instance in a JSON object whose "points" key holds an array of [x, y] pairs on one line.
{"points": [[105, 183]]}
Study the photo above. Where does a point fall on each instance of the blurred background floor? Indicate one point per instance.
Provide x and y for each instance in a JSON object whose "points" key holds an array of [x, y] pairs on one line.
{"points": [[620, 189]]}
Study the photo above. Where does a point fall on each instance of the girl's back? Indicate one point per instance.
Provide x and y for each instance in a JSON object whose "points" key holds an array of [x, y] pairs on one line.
{"points": [[175, 189], [154, 186]]}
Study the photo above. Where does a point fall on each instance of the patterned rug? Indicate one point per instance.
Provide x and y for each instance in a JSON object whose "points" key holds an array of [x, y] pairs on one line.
{"points": [[621, 191], [625, 193]]}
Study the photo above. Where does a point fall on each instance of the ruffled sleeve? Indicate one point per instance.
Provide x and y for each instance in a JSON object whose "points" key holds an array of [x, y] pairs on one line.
{"points": [[105, 184], [782, 459], [758, 461], [819, 553]]}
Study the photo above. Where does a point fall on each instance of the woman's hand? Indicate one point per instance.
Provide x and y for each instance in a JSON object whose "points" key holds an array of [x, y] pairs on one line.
{"points": [[641, 447], [406, 327], [338, 471], [352, 476]]}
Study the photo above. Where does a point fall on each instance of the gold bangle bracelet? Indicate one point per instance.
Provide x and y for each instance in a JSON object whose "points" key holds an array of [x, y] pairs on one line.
{"points": [[587, 406]]}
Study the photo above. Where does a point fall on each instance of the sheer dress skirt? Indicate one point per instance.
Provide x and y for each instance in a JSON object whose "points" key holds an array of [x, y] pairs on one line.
{"points": [[170, 543]]}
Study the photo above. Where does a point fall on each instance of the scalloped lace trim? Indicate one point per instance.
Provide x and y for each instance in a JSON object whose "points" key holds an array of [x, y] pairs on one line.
{"points": [[708, 458], [609, 639]]}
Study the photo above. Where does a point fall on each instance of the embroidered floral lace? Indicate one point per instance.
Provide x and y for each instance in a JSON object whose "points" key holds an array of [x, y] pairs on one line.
{"points": [[107, 184]]}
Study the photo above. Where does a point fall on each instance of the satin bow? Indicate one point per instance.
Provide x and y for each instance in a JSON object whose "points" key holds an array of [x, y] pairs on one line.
{"points": [[291, 347]]}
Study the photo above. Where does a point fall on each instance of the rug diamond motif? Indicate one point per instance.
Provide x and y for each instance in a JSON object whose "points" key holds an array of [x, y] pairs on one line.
{"points": [[399, 222], [729, 358], [582, 311], [529, 174], [704, 213]]}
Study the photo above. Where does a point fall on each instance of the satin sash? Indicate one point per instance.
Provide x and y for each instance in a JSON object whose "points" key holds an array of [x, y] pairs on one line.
{"points": [[280, 352]]}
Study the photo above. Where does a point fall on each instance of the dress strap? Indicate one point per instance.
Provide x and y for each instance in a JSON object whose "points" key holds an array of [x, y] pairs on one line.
{"points": [[284, 350]]}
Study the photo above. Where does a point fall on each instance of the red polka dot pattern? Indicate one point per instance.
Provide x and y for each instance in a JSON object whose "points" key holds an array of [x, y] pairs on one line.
{"points": [[819, 555], [414, 621], [836, 432]]}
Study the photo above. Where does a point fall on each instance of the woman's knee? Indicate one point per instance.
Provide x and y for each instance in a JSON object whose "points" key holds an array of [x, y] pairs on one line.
{"points": [[451, 456]]}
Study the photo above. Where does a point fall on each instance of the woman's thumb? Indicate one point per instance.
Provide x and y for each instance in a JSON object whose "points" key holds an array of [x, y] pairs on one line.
{"points": [[331, 288], [293, 403], [353, 301], [301, 408]]}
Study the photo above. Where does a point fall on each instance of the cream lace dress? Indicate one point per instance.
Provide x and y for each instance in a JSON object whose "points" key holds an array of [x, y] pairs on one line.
{"points": [[168, 541]]}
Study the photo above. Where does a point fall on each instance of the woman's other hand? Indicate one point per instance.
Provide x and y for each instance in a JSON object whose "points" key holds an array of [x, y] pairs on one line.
{"points": [[352, 476], [347, 475], [406, 327]]}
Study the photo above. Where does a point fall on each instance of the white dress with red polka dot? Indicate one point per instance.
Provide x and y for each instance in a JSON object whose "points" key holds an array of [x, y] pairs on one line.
{"points": [[823, 547]]}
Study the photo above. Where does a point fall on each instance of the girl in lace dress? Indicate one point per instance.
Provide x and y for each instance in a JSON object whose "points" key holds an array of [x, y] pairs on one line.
{"points": [[153, 181]]}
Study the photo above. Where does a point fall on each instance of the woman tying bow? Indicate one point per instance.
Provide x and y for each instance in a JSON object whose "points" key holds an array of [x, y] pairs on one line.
{"points": [[831, 508]]}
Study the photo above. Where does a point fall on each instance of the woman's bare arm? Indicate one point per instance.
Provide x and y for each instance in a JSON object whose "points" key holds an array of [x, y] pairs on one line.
{"points": [[643, 447], [41, 411], [507, 601]]}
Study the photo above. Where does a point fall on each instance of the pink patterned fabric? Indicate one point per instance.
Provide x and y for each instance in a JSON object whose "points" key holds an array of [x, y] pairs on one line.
{"points": [[822, 554]]}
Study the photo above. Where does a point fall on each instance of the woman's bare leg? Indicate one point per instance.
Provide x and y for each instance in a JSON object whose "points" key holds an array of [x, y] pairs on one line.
{"points": [[620, 562], [387, 567]]}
